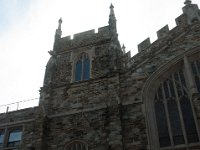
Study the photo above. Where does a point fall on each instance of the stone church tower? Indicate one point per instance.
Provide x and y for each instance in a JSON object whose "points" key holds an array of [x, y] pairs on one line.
{"points": [[97, 97]]}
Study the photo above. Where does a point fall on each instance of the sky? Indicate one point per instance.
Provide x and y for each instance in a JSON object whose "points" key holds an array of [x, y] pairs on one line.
{"points": [[27, 29]]}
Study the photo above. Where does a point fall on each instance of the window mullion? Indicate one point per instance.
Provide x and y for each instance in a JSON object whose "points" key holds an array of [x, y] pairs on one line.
{"points": [[179, 110], [167, 117], [170, 94], [191, 102], [6, 136], [180, 83], [82, 75], [188, 71]]}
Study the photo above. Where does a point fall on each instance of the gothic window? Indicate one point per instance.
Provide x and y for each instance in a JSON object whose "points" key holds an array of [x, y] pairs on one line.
{"points": [[1, 138], [196, 72], [14, 138], [76, 145], [174, 116], [82, 68]]}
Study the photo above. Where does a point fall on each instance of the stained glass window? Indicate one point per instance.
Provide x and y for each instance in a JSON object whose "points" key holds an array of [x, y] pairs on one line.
{"points": [[78, 71], [196, 72], [86, 75], [189, 120], [175, 122], [82, 71], [173, 111], [161, 120]]}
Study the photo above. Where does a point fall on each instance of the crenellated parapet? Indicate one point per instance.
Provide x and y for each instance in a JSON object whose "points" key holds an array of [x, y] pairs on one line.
{"points": [[169, 38], [163, 32], [143, 46], [84, 39]]}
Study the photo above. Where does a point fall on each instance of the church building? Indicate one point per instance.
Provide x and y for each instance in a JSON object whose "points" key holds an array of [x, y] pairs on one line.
{"points": [[95, 96]]}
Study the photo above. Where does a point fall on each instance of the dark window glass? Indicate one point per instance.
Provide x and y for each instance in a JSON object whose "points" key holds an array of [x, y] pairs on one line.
{"points": [[78, 73], [171, 88], [177, 83], [76, 146], [1, 138], [197, 83], [14, 138], [176, 77], [83, 147], [179, 89], [160, 93], [86, 75], [193, 68], [166, 89], [79, 146], [188, 118], [175, 123], [182, 78], [198, 66], [161, 121]]}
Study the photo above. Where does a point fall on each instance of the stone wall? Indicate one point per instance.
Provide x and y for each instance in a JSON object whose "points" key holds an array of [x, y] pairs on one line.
{"points": [[110, 110]]}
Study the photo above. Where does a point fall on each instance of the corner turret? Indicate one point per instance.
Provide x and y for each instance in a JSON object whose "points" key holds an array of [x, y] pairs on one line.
{"points": [[112, 21], [57, 34], [58, 31], [192, 12]]}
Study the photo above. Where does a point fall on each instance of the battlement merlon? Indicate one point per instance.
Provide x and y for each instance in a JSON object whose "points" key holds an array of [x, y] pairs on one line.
{"points": [[191, 14], [84, 39], [144, 45], [163, 32], [103, 31]]}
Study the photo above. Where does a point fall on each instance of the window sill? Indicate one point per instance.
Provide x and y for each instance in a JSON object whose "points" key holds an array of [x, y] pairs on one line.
{"points": [[192, 145]]}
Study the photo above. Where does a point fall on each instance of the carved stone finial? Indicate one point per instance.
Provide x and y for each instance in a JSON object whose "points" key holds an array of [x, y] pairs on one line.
{"points": [[58, 31], [112, 20], [123, 49], [187, 2], [60, 21], [111, 9]]}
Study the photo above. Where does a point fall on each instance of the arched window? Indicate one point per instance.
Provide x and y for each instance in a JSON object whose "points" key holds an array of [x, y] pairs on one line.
{"points": [[82, 71], [173, 111], [76, 145], [169, 108], [196, 72]]}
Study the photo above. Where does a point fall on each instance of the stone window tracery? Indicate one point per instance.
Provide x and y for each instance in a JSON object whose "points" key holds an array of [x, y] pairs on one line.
{"points": [[82, 68], [174, 115], [76, 145], [196, 72], [171, 118], [173, 111]]}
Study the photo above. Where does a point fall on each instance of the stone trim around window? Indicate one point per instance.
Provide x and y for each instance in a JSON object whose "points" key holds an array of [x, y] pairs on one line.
{"points": [[76, 145], [148, 97], [76, 55], [10, 137]]}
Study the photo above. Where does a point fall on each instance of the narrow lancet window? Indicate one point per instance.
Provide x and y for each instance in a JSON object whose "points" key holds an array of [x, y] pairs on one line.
{"points": [[82, 71], [78, 70]]}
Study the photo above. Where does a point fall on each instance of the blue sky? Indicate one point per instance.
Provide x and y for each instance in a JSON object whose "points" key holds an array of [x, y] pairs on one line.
{"points": [[12, 12], [27, 29]]}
